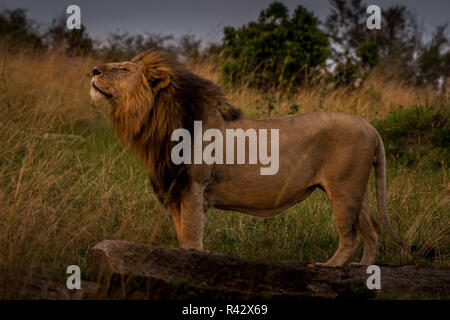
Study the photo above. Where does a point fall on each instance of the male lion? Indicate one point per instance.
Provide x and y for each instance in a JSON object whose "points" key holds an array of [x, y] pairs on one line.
{"points": [[153, 95]]}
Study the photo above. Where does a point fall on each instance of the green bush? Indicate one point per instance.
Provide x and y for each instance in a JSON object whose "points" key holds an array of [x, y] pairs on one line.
{"points": [[411, 134], [18, 30], [347, 74], [368, 53], [278, 49]]}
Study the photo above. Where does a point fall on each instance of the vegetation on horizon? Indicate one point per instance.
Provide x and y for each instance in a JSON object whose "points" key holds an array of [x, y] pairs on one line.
{"points": [[279, 50]]}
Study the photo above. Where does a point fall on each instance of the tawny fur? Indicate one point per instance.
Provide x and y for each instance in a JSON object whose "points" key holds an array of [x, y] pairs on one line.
{"points": [[153, 95]]}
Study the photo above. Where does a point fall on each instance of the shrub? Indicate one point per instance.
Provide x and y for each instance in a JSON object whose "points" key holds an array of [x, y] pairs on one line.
{"points": [[368, 53], [18, 30], [347, 74], [410, 134], [275, 50]]}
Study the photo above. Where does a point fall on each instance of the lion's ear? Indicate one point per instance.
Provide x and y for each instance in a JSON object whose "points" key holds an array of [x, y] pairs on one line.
{"points": [[159, 82]]}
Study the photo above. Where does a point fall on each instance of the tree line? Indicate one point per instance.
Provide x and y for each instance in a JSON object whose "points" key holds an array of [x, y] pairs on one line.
{"points": [[279, 49]]}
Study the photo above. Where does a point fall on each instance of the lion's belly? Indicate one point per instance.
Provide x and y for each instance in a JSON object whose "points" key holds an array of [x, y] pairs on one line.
{"points": [[244, 189], [257, 202]]}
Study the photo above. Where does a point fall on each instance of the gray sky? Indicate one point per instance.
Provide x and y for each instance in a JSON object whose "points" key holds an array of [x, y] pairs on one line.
{"points": [[204, 18]]}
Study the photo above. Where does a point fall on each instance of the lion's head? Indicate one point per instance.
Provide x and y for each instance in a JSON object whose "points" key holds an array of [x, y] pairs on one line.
{"points": [[120, 81], [150, 97]]}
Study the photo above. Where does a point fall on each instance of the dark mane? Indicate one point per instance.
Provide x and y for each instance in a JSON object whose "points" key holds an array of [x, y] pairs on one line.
{"points": [[187, 98]]}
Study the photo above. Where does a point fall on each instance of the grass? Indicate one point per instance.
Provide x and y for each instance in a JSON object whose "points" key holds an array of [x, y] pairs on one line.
{"points": [[66, 183]]}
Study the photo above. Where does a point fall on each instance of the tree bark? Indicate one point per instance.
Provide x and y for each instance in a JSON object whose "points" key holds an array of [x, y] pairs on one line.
{"points": [[138, 271]]}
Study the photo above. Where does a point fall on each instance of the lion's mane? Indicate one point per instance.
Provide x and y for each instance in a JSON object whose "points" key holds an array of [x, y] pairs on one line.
{"points": [[146, 121]]}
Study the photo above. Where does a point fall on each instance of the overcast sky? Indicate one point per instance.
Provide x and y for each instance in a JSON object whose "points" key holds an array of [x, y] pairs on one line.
{"points": [[204, 18]]}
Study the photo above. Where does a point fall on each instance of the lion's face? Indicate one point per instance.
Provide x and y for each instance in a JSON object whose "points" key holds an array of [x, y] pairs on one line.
{"points": [[116, 80]]}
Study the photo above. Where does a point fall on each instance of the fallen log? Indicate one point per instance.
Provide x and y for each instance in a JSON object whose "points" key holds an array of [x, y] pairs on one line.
{"points": [[45, 287], [137, 271]]}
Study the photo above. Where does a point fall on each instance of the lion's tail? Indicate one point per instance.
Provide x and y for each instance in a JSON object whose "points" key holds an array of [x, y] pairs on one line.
{"points": [[380, 183]]}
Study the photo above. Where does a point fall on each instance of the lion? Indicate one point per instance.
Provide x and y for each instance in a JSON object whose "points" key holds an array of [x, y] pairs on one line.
{"points": [[154, 94]]}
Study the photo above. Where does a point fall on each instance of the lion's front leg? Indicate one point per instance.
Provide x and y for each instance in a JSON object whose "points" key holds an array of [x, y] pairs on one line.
{"points": [[176, 216], [191, 219]]}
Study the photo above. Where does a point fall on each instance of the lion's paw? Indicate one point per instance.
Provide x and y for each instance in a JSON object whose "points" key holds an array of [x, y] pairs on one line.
{"points": [[325, 264]]}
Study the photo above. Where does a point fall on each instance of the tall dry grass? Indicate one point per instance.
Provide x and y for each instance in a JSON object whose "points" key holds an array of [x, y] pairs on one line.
{"points": [[380, 93], [57, 192], [66, 183]]}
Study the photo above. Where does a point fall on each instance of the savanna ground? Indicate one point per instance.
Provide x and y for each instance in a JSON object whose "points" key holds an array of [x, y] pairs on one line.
{"points": [[66, 183]]}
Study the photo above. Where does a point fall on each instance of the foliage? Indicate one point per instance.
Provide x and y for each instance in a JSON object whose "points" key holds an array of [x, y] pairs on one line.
{"points": [[434, 61], [122, 46], [294, 108], [368, 53], [412, 133], [75, 42], [346, 27], [396, 41], [19, 30], [347, 74], [189, 46], [277, 49]]}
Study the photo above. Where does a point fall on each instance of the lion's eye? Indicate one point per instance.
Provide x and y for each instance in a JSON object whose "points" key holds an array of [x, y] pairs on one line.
{"points": [[124, 69]]}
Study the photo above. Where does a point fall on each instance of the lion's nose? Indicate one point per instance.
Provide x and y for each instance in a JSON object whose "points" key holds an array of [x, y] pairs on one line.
{"points": [[96, 72]]}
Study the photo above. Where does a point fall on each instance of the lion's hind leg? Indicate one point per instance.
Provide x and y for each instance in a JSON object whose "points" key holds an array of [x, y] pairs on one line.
{"points": [[370, 232], [348, 239], [346, 208]]}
